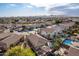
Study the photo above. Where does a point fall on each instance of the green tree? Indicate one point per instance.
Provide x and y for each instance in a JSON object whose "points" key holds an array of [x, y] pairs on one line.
{"points": [[57, 43], [58, 21], [19, 51]]}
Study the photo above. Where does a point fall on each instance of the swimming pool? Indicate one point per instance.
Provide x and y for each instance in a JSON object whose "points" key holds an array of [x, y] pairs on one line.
{"points": [[68, 42]]}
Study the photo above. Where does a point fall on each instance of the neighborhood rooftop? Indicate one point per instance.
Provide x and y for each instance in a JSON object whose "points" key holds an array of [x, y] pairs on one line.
{"points": [[4, 35], [36, 40], [73, 52], [13, 39], [47, 29]]}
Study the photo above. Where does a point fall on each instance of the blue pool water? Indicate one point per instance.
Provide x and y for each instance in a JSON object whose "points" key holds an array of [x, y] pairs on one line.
{"points": [[67, 41]]}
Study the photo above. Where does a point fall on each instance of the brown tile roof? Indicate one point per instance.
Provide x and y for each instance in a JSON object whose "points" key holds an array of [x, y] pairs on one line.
{"points": [[13, 39], [47, 30], [36, 41], [73, 52], [4, 35], [68, 23]]}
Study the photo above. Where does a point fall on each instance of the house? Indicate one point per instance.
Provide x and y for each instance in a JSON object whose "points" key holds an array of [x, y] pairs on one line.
{"points": [[72, 47], [66, 25], [2, 28], [53, 30], [4, 35], [39, 44], [46, 32], [11, 41], [73, 52], [50, 32]]}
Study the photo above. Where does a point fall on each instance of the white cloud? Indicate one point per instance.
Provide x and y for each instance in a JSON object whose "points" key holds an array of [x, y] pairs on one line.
{"points": [[29, 6], [44, 3], [73, 7], [57, 12], [41, 2], [12, 5], [55, 5], [26, 5]]}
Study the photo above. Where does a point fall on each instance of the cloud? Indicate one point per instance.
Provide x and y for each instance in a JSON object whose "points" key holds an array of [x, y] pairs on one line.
{"points": [[27, 6], [46, 3], [55, 5], [71, 9], [12, 5], [58, 13], [30, 6], [76, 7], [73, 6], [37, 8], [42, 3]]}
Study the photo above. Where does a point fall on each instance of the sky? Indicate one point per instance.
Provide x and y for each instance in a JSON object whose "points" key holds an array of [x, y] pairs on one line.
{"points": [[41, 7]]}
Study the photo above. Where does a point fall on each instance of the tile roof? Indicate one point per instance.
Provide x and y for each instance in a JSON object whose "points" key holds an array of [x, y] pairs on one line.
{"points": [[4, 35], [47, 29], [36, 41], [73, 52], [11, 40]]}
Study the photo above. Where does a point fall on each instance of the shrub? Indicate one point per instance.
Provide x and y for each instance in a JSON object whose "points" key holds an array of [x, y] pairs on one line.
{"points": [[19, 51]]}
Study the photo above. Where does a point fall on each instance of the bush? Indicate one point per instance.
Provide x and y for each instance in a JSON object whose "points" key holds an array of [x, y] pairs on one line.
{"points": [[19, 51]]}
